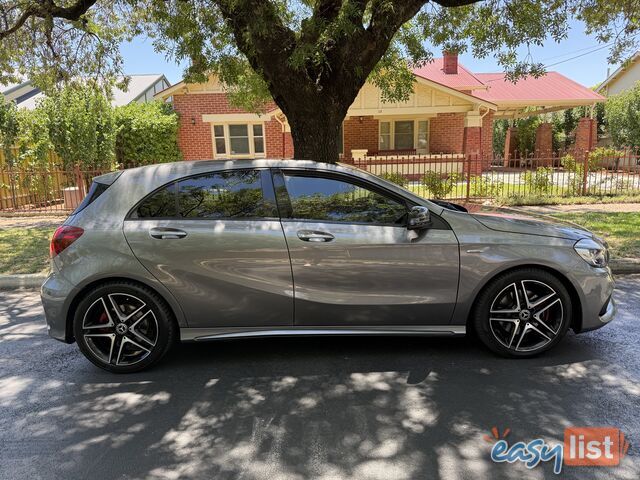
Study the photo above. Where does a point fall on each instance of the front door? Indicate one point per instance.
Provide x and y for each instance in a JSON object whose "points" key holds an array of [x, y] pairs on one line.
{"points": [[215, 241], [355, 263]]}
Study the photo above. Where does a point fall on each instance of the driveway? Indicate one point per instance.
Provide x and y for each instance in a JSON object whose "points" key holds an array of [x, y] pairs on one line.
{"points": [[367, 408]]}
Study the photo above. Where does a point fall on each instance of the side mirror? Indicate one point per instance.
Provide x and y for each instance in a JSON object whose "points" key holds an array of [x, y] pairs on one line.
{"points": [[419, 218]]}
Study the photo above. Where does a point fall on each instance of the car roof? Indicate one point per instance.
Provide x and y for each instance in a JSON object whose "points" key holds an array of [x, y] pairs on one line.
{"points": [[168, 171], [187, 167]]}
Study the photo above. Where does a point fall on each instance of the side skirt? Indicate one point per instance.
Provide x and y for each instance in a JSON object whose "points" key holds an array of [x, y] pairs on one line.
{"points": [[220, 333]]}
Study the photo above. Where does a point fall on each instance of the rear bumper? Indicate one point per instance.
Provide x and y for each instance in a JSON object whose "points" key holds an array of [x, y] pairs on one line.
{"points": [[54, 294]]}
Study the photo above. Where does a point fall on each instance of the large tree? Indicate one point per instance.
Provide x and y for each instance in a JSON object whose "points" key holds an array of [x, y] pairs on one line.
{"points": [[310, 56]]}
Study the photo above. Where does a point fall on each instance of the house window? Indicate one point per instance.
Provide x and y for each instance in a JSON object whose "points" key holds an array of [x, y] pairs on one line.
{"points": [[258, 139], [238, 139], [423, 136], [385, 136], [218, 132], [404, 135]]}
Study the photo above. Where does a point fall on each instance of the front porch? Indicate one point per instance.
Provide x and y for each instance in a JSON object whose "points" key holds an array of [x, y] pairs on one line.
{"points": [[445, 137]]}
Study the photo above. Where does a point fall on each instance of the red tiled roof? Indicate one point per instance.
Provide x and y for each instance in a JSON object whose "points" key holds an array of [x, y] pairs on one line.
{"points": [[493, 87], [433, 71], [550, 87]]}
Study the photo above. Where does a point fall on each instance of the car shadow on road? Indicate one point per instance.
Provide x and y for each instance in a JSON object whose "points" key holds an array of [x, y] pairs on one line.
{"points": [[299, 408]]}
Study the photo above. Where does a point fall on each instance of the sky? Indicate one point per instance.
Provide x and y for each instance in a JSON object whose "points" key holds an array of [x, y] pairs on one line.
{"points": [[589, 70]]}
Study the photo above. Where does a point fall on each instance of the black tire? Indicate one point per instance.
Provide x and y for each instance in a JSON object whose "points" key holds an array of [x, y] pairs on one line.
{"points": [[150, 329], [500, 331]]}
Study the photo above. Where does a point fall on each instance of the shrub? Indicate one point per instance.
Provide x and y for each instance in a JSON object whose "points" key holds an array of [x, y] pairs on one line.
{"points": [[440, 186], [575, 181], [81, 127], [603, 157], [8, 128], [526, 133], [147, 133], [539, 181], [622, 113], [395, 177], [485, 187], [33, 140]]}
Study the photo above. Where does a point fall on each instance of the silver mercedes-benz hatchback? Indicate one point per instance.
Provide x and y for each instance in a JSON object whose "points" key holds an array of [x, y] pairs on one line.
{"points": [[209, 250]]}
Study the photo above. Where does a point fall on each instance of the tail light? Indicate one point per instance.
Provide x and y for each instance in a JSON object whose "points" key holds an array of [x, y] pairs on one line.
{"points": [[63, 237]]}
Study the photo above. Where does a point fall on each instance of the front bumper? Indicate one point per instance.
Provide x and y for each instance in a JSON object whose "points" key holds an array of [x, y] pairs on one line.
{"points": [[609, 314], [55, 292], [598, 305]]}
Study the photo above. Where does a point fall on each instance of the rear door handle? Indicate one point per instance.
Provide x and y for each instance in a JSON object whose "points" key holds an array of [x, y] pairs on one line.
{"points": [[314, 236], [164, 233]]}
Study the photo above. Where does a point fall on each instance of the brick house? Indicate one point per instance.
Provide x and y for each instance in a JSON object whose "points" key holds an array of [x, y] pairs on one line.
{"points": [[449, 116]]}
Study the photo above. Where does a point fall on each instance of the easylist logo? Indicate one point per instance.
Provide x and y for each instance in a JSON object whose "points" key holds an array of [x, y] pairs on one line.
{"points": [[594, 446], [582, 446]]}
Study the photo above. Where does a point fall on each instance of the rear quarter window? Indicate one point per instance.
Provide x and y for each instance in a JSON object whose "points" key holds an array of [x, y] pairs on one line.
{"points": [[94, 192]]}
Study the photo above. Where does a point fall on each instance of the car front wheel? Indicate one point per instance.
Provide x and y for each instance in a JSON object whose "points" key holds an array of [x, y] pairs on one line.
{"points": [[123, 327], [523, 313]]}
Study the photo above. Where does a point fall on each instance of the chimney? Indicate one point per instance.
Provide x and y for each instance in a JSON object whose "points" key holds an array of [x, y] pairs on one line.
{"points": [[450, 62]]}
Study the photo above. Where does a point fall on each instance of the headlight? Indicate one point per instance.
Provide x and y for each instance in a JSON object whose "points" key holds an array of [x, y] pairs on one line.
{"points": [[593, 252]]}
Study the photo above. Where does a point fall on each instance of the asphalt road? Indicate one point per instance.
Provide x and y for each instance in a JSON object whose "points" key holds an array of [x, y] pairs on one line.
{"points": [[367, 408]]}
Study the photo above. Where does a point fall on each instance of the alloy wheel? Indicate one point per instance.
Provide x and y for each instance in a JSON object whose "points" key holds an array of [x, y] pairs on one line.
{"points": [[526, 315], [120, 329]]}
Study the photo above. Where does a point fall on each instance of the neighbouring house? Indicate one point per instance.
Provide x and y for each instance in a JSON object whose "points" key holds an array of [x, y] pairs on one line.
{"points": [[623, 78], [142, 88], [449, 117]]}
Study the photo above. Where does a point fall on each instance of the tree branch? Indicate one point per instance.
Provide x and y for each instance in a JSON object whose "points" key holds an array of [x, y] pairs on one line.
{"points": [[384, 24], [48, 9], [264, 43], [454, 3]]}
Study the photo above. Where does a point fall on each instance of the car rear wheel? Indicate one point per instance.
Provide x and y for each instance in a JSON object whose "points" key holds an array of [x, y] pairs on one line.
{"points": [[523, 313], [123, 327]]}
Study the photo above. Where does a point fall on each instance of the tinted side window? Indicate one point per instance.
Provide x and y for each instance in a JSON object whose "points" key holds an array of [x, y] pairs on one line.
{"points": [[160, 204], [233, 194], [318, 198]]}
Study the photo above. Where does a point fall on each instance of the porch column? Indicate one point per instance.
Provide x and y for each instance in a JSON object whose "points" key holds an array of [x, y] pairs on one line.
{"points": [[544, 144], [472, 142], [586, 136], [360, 133], [510, 143]]}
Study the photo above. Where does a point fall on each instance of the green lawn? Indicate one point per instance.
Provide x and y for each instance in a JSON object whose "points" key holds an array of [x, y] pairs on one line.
{"points": [[621, 230], [24, 250], [509, 190]]}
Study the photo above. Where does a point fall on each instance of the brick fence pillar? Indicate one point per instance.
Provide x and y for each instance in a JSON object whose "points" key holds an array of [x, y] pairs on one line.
{"points": [[472, 142], [544, 144], [510, 144], [586, 136]]}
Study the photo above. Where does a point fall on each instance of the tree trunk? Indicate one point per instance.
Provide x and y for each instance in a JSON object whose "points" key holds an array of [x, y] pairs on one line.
{"points": [[315, 118], [315, 137]]}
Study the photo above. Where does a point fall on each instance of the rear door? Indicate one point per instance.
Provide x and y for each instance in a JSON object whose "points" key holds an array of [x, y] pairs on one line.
{"points": [[355, 263], [216, 242]]}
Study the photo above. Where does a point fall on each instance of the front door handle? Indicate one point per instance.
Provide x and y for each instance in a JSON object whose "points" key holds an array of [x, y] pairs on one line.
{"points": [[314, 236], [164, 233]]}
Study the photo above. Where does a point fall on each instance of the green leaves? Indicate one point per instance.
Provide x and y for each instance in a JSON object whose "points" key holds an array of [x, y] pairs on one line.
{"points": [[146, 133], [81, 126], [622, 113], [9, 128], [307, 55]]}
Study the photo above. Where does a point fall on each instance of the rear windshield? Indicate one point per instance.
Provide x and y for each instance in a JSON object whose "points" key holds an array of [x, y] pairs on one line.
{"points": [[94, 192]]}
